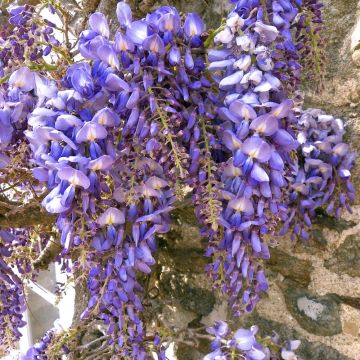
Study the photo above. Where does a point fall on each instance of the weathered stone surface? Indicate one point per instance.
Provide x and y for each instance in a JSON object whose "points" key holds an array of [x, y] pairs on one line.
{"points": [[351, 301], [188, 352], [346, 258], [330, 222], [317, 314], [198, 300], [187, 260], [290, 266], [342, 80]]}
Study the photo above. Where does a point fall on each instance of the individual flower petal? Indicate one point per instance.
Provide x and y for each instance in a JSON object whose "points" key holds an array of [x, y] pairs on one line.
{"points": [[106, 117], [256, 354], [231, 141], [90, 132], [104, 162], [224, 36], [231, 80], [65, 122], [220, 64], [169, 22], [156, 182], [257, 148], [114, 83], [243, 110], [147, 191], [123, 43], [274, 82], [242, 204], [108, 55], [265, 124], [154, 44], [259, 174], [174, 55], [23, 79], [243, 63], [244, 339], [341, 149], [194, 25], [124, 14], [55, 206], [267, 33], [111, 216], [44, 88], [137, 32], [74, 177], [283, 138], [99, 24], [283, 109]]}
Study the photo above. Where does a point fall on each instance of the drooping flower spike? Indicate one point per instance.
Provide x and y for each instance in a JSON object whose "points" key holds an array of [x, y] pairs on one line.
{"points": [[255, 118], [128, 124], [27, 37], [324, 179]]}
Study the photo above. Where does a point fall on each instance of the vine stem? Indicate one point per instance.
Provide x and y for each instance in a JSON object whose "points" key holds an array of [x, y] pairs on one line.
{"points": [[169, 136], [209, 186]]}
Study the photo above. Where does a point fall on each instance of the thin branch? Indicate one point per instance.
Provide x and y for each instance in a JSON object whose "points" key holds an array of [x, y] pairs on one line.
{"points": [[26, 215], [88, 345], [48, 255]]}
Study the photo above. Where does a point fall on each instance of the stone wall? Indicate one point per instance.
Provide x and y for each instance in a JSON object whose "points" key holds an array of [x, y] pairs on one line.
{"points": [[314, 293]]}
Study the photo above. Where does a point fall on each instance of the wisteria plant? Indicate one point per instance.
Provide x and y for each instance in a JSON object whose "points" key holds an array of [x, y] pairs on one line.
{"points": [[109, 128]]}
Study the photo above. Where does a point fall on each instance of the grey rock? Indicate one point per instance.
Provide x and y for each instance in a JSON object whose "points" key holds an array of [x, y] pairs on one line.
{"points": [[179, 289], [346, 258], [349, 300], [330, 222], [187, 260], [318, 315], [290, 266]]}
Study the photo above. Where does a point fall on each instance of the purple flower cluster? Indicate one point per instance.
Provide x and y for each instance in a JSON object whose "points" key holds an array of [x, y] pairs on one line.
{"points": [[148, 112], [40, 350], [12, 297], [309, 41], [113, 147], [245, 344], [114, 213], [321, 177], [18, 97], [254, 119], [22, 39], [290, 49]]}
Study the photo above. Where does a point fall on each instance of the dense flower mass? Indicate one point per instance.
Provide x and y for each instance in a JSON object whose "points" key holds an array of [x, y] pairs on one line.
{"points": [[16, 102], [255, 127], [12, 292], [25, 38], [321, 179], [155, 110], [114, 146]]}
